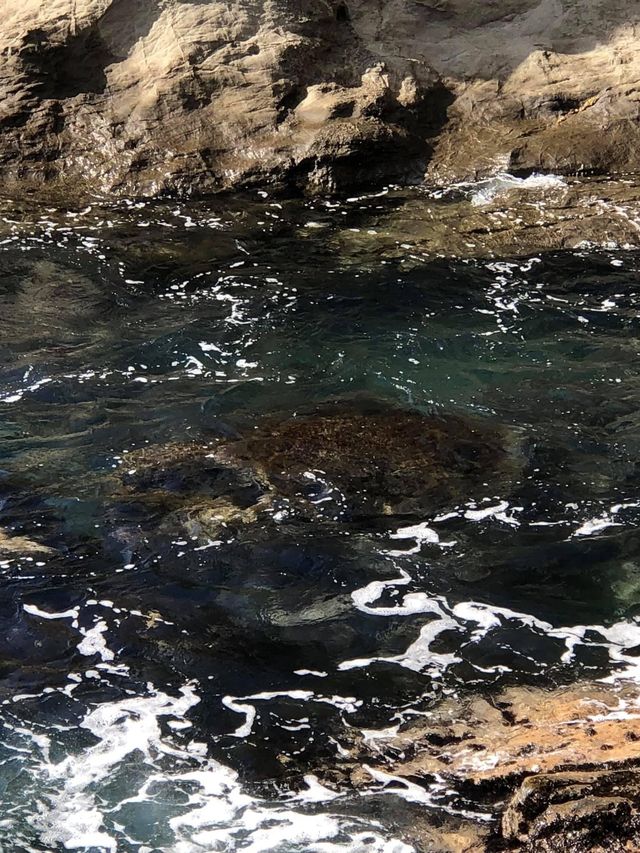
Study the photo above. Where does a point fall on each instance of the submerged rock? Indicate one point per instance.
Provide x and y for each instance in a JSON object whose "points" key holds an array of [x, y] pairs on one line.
{"points": [[351, 460], [502, 217], [21, 546], [384, 461]]}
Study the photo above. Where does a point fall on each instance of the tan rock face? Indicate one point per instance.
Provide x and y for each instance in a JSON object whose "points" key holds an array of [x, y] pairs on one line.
{"points": [[132, 96], [524, 731], [145, 96], [546, 84], [560, 765]]}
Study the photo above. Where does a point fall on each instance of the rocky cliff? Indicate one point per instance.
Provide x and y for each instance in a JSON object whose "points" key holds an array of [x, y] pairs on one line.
{"points": [[143, 96]]}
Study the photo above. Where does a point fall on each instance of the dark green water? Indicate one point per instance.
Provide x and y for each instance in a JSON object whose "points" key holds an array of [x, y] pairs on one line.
{"points": [[167, 693]]}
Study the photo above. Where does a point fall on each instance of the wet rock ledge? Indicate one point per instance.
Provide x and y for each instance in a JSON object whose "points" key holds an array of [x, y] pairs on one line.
{"points": [[130, 97], [560, 767]]}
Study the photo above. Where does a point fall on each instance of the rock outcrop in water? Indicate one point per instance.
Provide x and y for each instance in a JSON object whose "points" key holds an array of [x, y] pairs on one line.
{"points": [[562, 765], [125, 96]]}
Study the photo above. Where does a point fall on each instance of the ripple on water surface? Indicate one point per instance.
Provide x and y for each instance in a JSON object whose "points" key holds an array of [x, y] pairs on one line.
{"points": [[189, 642]]}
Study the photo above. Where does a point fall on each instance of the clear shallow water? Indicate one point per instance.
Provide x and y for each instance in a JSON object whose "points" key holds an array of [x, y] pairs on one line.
{"points": [[164, 693]]}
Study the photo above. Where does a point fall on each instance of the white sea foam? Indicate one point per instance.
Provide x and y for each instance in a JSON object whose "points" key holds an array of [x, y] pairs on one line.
{"points": [[75, 806], [484, 192], [486, 512], [91, 799], [16, 396], [476, 620], [32, 610], [216, 814], [595, 525], [422, 533], [94, 643], [241, 704], [72, 816]]}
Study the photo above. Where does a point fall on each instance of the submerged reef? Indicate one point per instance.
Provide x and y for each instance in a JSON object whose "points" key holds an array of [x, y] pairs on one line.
{"points": [[357, 460]]}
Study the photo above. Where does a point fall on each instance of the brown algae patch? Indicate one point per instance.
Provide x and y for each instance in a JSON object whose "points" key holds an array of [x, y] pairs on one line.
{"points": [[384, 462], [348, 460]]}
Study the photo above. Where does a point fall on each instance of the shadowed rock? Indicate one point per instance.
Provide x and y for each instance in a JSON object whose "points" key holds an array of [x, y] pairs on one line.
{"points": [[576, 811]]}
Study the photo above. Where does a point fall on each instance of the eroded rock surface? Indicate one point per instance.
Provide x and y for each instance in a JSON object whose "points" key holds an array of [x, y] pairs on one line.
{"points": [[522, 731], [139, 97], [546, 84], [562, 765]]}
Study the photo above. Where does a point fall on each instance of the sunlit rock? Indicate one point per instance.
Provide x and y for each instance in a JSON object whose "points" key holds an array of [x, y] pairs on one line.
{"points": [[124, 97], [561, 764]]}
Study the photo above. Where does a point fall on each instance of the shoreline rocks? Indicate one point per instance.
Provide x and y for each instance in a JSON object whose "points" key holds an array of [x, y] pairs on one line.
{"points": [[560, 766], [121, 98]]}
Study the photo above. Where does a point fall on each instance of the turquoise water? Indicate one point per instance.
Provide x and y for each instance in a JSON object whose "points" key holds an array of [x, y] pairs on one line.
{"points": [[168, 692]]}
